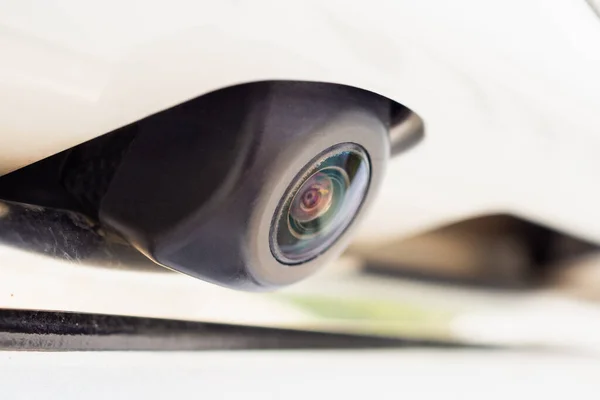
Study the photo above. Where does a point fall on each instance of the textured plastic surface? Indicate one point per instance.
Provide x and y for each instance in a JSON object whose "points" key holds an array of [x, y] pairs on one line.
{"points": [[52, 331]]}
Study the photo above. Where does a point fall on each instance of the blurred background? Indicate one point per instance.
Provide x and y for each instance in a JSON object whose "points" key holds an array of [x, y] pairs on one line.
{"points": [[492, 280]]}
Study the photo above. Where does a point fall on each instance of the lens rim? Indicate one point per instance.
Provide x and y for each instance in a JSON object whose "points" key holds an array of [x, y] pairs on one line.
{"points": [[311, 168]]}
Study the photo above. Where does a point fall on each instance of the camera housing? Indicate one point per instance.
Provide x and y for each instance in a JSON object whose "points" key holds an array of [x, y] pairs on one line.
{"points": [[200, 188]]}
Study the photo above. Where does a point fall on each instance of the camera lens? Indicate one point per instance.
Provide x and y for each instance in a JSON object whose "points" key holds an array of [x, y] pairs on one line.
{"points": [[314, 197], [320, 204]]}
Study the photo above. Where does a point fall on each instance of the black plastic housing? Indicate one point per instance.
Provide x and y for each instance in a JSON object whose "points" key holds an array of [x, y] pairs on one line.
{"points": [[197, 189]]}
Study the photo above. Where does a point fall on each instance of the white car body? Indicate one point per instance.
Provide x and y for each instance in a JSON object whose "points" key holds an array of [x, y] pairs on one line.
{"points": [[509, 91]]}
